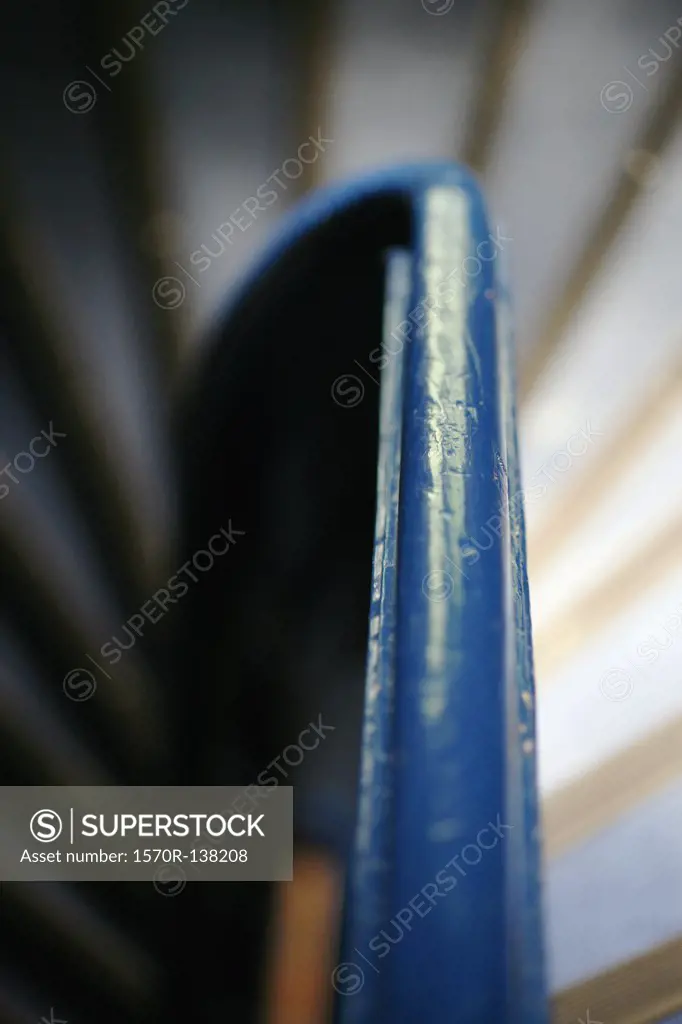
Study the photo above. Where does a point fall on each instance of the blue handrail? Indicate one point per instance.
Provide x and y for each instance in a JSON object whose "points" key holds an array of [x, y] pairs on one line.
{"points": [[442, 913], [443, 906]]}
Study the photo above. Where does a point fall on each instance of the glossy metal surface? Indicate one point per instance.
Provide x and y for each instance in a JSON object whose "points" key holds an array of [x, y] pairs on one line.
{"points": [[442, 915], [444, 918]]}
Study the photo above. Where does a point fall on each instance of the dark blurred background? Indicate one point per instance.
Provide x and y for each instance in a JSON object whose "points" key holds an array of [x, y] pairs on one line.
{"points": [[132, 135]]}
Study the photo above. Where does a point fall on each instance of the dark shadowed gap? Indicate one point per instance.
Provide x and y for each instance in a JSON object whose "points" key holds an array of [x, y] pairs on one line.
{"points": [[275, 637]]}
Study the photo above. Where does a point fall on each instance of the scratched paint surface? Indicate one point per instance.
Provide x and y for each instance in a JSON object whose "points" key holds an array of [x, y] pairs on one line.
{"points": [[451, 593], [451, 653]]}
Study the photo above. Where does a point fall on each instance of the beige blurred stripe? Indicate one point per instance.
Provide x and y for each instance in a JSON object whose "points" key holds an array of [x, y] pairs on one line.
{"points": [[640, 991], [583, 620], [508, 22], [646, 565], [304, 942], [613, 457], [582, 808]]}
